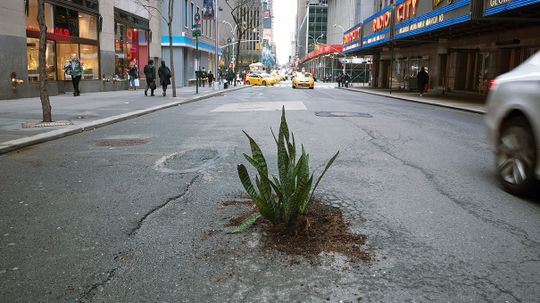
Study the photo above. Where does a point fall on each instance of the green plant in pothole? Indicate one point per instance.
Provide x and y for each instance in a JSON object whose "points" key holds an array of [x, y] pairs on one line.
{"points": [[285, 197]]}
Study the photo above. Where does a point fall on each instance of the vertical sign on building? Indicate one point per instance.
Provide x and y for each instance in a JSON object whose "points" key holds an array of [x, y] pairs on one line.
{"points": [[208, 10]]}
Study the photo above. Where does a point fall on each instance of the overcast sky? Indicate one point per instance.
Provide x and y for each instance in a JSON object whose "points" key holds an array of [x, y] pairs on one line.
{"points": [[284, 23]]}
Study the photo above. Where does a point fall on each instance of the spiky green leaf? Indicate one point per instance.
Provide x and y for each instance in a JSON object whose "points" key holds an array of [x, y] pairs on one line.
{"points": [[330, 162], [247, 223]]}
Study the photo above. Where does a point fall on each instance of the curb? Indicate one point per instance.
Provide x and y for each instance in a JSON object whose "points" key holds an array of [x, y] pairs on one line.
{"points": [[8, 146], [482, 112]]}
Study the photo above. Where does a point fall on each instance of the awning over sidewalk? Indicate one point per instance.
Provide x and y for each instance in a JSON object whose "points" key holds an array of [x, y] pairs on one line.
{"points": [[323, 50]]}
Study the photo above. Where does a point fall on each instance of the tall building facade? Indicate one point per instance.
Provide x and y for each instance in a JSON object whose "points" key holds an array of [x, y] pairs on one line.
{"points": [[184, 43], [107, 35], [311, 25]]}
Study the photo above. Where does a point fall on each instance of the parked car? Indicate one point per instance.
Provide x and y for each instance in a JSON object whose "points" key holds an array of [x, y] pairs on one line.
{"points": [[513, 124]]}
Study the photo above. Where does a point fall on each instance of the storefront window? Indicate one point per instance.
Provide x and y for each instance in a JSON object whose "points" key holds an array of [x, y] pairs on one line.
{"points": [[88, 26], [64, 52], [131, 45], [31, 18], [90, 61], [66, 21], [32, 56], [70, 32]]}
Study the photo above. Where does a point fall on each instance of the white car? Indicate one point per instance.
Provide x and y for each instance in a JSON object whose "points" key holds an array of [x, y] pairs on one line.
{"points": [[513, 124]]}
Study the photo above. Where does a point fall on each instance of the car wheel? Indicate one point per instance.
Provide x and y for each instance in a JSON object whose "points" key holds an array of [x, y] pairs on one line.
{"points": [[313, 87], [247, 83], [294, 87], [516, 157], [264, 83]]}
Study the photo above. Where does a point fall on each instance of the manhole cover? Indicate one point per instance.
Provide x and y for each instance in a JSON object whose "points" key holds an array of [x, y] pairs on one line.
{"points": [[343, 114], [187, 161], [39, 124], [121, 142]]}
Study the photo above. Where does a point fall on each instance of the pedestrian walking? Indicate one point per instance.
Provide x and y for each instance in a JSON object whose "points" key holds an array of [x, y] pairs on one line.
{"points": [[211, 79], [422, 79], [133, 75], [150, 74], [339, 78], [346, 80], [164, 74], [74, 68]]}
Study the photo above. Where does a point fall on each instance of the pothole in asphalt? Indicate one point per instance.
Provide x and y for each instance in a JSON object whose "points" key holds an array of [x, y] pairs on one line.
{"points": [[188, 161], [342, 114], [118, 142]]}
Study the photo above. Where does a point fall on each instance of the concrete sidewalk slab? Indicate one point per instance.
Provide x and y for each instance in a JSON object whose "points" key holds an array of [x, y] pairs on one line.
{"points": [[438, 100], [24, 141]]}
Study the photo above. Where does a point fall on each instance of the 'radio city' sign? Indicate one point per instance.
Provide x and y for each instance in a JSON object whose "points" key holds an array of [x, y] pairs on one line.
{"points": [[381, 21], [352, 35], [425, 16], [406, 9]]}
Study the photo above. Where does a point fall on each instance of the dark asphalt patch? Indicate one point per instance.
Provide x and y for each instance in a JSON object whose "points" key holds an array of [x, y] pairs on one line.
{"points": [[342, 114], [121, 142], [191, 160]]}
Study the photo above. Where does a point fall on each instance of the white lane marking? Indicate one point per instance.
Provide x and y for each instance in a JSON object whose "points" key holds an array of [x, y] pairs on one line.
{"points": [[260, 106]]}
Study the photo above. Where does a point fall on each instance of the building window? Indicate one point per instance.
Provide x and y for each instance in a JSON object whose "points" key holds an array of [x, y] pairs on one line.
{"points": [[192, 16], [32, 53], [186, 14], [130, 46], [31, 17], [88, 26], [90, 59]]}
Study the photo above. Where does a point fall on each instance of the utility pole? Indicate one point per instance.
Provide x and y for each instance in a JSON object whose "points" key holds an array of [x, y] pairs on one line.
{"points": [[196, 32], [216, 27]]}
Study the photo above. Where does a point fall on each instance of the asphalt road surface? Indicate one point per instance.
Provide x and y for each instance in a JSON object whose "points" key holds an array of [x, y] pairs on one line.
{"points": [[133, 212]]}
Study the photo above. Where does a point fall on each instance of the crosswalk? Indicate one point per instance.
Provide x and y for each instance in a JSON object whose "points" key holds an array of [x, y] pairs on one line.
{"points": [[288, 84]]}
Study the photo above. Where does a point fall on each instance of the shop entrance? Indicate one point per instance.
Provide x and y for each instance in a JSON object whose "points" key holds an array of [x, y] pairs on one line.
{"points": [[471, 71]]}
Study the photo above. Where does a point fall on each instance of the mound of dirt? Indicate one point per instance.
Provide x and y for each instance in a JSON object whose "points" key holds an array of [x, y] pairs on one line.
{"points": [[321, 229]]}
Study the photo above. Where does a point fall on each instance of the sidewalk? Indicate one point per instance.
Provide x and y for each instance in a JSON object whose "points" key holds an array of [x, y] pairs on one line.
{"points": [[90, 110], [475, 104]]}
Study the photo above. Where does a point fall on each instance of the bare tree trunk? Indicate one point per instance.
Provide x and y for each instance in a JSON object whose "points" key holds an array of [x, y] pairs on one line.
{"points": [[237, 58], [171, 63], [43, 93]]}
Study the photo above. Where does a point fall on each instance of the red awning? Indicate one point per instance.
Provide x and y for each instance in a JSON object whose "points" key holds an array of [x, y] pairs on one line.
{"points": [[323, 50]]}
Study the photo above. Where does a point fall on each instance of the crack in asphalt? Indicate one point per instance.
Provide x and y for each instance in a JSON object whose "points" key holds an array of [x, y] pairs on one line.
{"points": [[89, 293], [516, 231], [159, 207]]}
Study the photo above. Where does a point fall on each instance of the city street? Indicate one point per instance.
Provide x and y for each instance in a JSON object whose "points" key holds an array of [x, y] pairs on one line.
{"points": [[133, 211]]}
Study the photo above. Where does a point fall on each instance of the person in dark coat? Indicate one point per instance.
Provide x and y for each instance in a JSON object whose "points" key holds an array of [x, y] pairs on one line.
{"points": [[210, 79], [230, 76], [150, 73], [164, 77], [423, 79], [339, 78]]}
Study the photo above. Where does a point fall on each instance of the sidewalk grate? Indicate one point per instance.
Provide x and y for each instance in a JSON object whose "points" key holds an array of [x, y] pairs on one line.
{"points": [[41, 124]]}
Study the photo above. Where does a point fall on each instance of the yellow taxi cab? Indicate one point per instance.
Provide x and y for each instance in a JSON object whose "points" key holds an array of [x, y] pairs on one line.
{"points": [[276, 77], [269, 79], [303, 80], [256, 79]]}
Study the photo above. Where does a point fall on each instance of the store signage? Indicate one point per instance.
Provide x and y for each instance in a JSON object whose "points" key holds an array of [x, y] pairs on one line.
{"points": [[61, 31], [428, 18], [381, 21], [496, 6], [406, 9], [352, 35], [376, 29]]}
